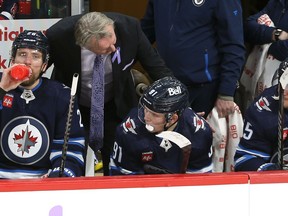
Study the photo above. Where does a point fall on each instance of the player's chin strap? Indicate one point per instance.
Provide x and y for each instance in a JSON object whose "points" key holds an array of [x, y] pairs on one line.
{"points": [[168, 119]]}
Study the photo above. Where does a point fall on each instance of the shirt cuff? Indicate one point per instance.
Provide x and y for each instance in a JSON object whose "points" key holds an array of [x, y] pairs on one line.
{"points": [[225, 97]]}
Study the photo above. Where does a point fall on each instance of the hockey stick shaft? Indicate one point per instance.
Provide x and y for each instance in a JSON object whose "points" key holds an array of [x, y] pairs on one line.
{"points": [[282, 84], [68, 123], [280, 127]]}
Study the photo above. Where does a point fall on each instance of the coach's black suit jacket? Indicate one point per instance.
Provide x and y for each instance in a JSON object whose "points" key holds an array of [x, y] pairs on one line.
{"points": [[133, 44]]}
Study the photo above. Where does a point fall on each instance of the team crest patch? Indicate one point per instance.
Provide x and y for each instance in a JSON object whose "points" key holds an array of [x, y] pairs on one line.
{"points": [[25, 140], [129, 125], [198, 123], [263, 104], [198, 3]]}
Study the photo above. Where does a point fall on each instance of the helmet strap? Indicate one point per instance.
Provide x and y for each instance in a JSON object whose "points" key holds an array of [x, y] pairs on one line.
{"points": [[168, 119]]}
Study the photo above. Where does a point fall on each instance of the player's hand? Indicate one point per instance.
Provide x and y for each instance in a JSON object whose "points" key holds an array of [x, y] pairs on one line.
{"points": [[7, 83], [224, 107]]}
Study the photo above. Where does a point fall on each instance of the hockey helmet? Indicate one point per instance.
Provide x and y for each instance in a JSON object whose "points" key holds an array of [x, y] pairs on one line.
{"points": [[31, 39], [166, 95]]}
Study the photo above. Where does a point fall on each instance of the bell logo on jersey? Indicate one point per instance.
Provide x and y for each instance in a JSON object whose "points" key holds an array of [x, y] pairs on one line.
{"points": [[263, 104], [174, 91], [8, 100], [147, 156]]}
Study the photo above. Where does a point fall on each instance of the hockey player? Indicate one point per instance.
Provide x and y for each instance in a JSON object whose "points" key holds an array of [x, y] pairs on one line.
{"points": [[8, 9], [33, 115], [258, 148], [163, 107]]}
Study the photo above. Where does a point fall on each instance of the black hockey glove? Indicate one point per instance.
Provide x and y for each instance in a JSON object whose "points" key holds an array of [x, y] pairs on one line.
{"points": [[268, 166], [150, 169], [55, 173]]}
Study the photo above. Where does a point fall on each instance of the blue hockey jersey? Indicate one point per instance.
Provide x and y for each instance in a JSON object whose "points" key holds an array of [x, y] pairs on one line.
{"points": [[32, 125], [135, 146], [259, 143]]}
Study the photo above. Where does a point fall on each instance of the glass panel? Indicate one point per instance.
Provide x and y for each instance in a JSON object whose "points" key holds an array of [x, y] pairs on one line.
{"points": [[38, 9]]}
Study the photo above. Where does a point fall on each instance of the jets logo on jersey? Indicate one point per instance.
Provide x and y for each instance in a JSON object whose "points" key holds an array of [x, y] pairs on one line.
{"points": [[129, 125], [166, 144], [147, 156], [263, 104], [25, 140], [198, 123], [198, 3], [8, 100]]}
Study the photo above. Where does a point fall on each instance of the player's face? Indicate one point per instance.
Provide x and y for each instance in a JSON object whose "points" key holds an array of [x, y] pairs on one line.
{"points": [[33, 59], [104, 45], [156, 120]]}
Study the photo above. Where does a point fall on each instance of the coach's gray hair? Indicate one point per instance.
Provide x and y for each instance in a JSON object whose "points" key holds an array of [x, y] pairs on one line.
{"points": [[91, 24]]}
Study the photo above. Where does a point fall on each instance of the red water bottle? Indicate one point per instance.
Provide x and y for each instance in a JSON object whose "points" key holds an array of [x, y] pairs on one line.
{"points": [[20, 72]]}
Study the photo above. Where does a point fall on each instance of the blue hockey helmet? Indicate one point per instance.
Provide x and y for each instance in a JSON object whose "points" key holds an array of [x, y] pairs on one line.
{"points": [[167, 95], [31, 39]]}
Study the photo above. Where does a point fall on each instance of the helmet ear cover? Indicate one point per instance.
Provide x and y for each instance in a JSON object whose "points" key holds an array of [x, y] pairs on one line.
{"points": [[168, 117], [31, 39]]}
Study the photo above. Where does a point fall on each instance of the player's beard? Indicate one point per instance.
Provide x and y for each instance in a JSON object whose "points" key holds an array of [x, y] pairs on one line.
{"points": [[33, 78]]}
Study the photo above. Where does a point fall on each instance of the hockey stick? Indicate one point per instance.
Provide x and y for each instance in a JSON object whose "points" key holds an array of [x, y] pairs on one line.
{"points": [[283, 81], [68, 123], [181, 141]]}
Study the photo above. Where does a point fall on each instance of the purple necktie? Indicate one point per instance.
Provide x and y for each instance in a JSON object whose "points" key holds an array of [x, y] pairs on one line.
{"points": [[97, 104]]}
